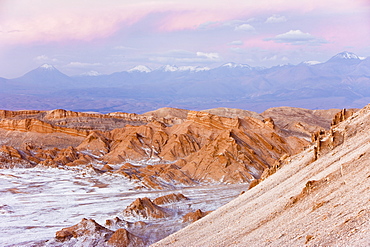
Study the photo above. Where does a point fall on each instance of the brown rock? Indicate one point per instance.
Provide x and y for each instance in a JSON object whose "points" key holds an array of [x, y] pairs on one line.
{"points": [[168, 112], [170, 198], [38, 126], [123, 238], [300, 122], [11, 157], [86, 229], [233, 113], [145, 208], [324, 141], [213, 121], [96, 143], [194, 216], [343, 115]]}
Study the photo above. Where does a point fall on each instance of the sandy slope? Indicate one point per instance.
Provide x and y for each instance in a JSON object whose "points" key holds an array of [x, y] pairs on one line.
{"points": [[333, 209]]}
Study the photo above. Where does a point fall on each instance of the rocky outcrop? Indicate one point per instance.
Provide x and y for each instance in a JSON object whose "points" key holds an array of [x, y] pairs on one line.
{"points": [[19, 114], [343, 115], [11, 158], [194, 216], [213, 121], [145, 208], [168, 113], [300, 122], [38, 126], [325, 141], [170, 198], [96, 143], [87, 232], [233, 113], [117, 223], [122, 237]]}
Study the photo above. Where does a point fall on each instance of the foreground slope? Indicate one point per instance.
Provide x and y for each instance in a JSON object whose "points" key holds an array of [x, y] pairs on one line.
{"points": [[320, 198]]}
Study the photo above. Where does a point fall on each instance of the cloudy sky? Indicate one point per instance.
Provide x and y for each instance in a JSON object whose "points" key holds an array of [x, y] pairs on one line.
{"points": [[79, 36]]}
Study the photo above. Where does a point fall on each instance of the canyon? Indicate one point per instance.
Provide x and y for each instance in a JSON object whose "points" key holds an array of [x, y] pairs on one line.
{"points": [[122, 176]]}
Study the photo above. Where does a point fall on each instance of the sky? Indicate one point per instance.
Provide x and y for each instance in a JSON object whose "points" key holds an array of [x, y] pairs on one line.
{"points": [[103, 37]]}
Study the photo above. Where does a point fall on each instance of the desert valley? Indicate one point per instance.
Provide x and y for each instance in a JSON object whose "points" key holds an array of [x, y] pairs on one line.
{"points": [[120, 179], [184, 123]]}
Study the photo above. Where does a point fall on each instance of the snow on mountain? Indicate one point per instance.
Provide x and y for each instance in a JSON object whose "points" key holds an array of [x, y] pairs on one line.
{"points": [[346, 55], [193, 68], [235, 65], [311, 62], [169, 68], [47, 67], [173, 68], [140, 68]]}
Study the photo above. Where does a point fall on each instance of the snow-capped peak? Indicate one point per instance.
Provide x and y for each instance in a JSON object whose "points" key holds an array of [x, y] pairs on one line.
{"points": [[311, 62], [173, 68], [193, 68], [346, 55], [47, 66], [140, 68], [170, 68], [235, 65]]}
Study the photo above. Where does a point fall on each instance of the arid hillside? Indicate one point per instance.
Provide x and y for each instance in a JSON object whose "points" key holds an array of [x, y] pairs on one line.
{"points": [[210, 156], [319, 197]]}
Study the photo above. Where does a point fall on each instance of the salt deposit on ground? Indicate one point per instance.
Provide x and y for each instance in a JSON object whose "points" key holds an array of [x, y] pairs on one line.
{"points": [[37, 202]]}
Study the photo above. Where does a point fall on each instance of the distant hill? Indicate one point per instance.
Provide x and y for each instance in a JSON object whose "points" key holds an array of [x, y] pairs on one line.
{"points": [[341, 82]]}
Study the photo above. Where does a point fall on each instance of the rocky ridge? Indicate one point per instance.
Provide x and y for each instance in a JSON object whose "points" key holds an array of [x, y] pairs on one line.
{"points": [[317, 198], [201, 148]]}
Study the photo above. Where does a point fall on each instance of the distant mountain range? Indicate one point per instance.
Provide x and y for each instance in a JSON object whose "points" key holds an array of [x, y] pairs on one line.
{"points": [[341, 82]]}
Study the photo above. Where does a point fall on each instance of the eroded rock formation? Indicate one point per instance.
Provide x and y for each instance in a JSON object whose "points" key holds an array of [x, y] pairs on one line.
{"points": [[88, 229], [170, 198], [145, 208], [194, 216], [203, 148], [89, 233]]}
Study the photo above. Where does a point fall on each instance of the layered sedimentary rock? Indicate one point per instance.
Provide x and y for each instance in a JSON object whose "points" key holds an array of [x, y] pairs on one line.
{"points": [[38, 126], [300, 122], [203, 148]]}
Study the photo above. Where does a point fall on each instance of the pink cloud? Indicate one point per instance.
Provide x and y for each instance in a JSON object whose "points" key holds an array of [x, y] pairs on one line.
{"points": [[24, 21]]}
